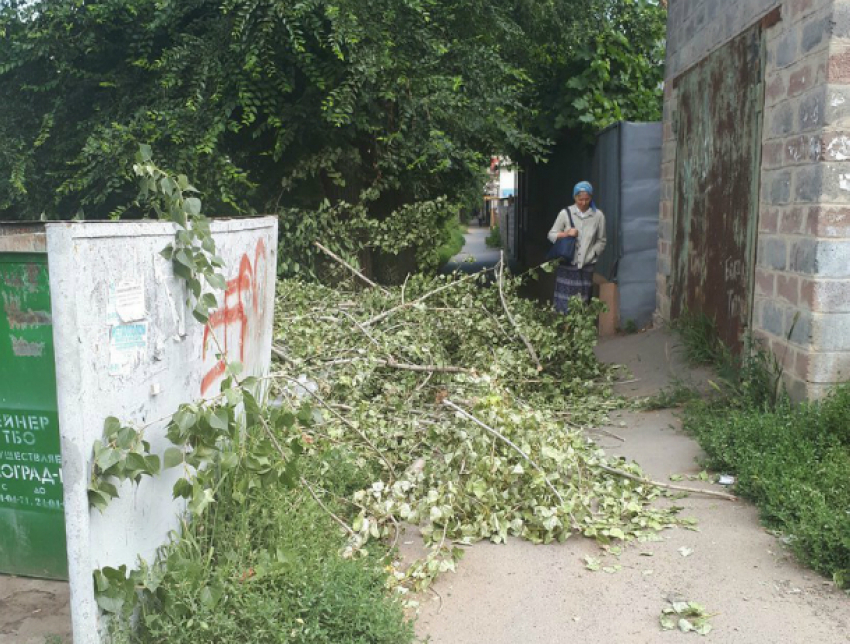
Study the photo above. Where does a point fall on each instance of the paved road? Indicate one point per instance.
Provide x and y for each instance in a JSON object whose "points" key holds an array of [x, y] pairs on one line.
{"points": [[474, 256]]}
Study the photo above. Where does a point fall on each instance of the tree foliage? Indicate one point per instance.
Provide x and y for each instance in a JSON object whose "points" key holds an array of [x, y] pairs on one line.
{"points": [[362, 118]]}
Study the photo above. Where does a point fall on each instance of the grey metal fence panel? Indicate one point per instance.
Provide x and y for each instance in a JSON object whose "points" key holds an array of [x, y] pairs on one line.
{"points": [[627, 176]]}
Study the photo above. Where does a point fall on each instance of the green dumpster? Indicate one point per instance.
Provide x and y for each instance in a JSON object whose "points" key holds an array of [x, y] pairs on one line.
{"points": [[32, 520]]}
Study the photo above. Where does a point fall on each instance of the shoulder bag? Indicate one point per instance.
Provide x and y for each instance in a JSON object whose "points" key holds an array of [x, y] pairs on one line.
{"points": [[564, 248]]}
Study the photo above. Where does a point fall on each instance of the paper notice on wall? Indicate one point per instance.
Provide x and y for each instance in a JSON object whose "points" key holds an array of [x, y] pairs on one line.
{"points": [[128, 300], [128, 345]]}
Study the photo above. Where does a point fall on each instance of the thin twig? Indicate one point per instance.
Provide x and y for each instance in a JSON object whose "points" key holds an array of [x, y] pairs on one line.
{"points": [[425, 368], [507, 440], [316, 498], [667, 486], [395, 309], [276, 350], [350, 267], [530, 348], [607, 433], [404, 287]]}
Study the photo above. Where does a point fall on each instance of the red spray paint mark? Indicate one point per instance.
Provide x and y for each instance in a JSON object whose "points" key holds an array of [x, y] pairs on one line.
{"points": [[238, 324]]}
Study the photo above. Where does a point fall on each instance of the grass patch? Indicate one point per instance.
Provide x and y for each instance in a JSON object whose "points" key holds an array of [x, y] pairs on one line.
{"points": [[794, 463], [791, 460], [753, 378], [265, 567], [494, 239], [455, 232]]}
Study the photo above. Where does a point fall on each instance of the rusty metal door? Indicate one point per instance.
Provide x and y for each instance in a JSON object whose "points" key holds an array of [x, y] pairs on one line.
{"points": [[718, 157]]}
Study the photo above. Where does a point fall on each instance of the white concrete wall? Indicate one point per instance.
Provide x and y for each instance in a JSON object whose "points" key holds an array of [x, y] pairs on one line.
{"points": [[169, 359]]}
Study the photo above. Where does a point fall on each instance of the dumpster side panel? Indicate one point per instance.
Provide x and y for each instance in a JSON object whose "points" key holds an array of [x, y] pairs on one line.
{"points": [[128, 346], [32, 523]]}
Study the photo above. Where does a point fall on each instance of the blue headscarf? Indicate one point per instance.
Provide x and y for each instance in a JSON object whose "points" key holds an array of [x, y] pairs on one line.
{"points": [[584, 186]]}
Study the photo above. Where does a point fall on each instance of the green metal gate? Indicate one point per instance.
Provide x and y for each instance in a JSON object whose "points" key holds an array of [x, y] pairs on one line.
{"points": [[718, 159], [32, 521]]}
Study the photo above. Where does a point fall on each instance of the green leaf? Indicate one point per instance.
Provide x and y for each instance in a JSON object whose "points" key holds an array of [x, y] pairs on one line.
{"points": [[110, 604], [216, 281], [201, 499], [111, 426], [107, 458], [201, 313], [152, 462], [192, 206], [182, 489], [98, 499], [136, 462], [172, 458], [219, 419]]}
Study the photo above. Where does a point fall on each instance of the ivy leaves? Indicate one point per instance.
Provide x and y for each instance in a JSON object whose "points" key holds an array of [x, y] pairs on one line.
{"points": [[122, 454], [192, 253]]}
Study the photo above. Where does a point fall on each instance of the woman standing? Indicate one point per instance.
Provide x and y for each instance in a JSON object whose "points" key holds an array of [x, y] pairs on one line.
{"points": [[588, 226]]}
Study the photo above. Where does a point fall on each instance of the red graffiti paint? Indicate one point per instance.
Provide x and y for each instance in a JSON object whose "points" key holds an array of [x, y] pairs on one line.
{"points": [[235, 329]]}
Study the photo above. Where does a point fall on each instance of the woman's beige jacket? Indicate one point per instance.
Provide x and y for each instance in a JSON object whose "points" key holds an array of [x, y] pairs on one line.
{"points": [[591, 233]]}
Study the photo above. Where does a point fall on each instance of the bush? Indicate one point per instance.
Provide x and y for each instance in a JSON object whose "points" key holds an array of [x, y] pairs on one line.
{"points": [[794, 463], [267, 568], [454, 231]]}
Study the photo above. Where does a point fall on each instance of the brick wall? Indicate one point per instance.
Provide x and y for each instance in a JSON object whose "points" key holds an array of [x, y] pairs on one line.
{"points": [[801, 308], [698, 27]]}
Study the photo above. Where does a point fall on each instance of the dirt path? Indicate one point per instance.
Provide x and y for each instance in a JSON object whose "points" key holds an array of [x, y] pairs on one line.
{"points": [[519, 593], [34, 611]]}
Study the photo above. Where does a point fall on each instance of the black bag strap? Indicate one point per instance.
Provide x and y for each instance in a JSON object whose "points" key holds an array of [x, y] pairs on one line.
{"points": [[570, 215]]}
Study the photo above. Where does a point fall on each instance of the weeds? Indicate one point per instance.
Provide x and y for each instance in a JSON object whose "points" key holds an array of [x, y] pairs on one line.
{"points": [[267, 564], [700, 340], [793, 461], [753, 378], [494, 239], [674, 396], [630, 326]]}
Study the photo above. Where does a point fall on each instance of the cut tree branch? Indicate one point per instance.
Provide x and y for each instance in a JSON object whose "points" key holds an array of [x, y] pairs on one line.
{"points": [[667, 486], [395, 309], [530, 348], [339, 259], [508, 441]]}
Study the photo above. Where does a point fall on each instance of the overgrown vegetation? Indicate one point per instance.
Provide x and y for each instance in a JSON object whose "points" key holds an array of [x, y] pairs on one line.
{"points": [[415, 417], [676, 395], [792, 460], [455, 243], [265, 565], [364, 125]]}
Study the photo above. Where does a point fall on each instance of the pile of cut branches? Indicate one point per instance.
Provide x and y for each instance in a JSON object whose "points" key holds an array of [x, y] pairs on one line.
{"points": [[473, 402]]}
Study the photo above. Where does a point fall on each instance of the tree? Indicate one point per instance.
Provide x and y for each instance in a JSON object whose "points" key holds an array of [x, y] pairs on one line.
{"points": [[361, 123]]}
